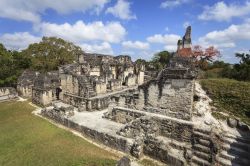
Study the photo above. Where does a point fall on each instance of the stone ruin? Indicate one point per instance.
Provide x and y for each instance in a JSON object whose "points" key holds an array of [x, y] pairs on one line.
{"points": [[7, 93], [106, 99]]}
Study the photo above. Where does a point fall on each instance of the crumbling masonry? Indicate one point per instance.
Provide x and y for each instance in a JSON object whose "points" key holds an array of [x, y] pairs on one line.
{"points": [[105, 98]]}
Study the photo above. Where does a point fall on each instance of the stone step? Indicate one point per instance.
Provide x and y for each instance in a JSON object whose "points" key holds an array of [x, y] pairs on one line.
{"points": [[194, 164], [238, 144], [235, 151], [202, 155], [239, 139], [204, 131], [200, 162], [201, 135], [224, 162], [234, 158], [201, 148], [204, 142]]}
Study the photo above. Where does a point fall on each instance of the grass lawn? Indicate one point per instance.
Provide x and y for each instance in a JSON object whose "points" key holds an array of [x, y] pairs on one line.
{"points": [[29, 140], [230, 96]]}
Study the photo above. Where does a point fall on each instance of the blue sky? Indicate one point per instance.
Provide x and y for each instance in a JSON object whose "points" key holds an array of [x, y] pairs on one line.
{"points": [[138, 28]]}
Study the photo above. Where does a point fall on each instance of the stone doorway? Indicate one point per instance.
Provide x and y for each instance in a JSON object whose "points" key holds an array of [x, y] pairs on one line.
{"points": [[58, 91]]}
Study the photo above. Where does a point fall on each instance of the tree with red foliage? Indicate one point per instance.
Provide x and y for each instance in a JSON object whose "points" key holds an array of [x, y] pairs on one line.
{"points": [[202, 56]]}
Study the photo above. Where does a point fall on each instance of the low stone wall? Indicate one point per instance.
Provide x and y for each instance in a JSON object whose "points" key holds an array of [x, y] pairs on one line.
{"points": [[148, 124], [25, 91], [7, 93], [122, 115], [157, 151], [175, 129], [97, 103], [116, 142]]}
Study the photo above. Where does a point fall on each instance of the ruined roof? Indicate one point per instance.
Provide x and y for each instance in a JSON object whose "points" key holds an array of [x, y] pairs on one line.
{"points": [[27, 78], [47, 81]]}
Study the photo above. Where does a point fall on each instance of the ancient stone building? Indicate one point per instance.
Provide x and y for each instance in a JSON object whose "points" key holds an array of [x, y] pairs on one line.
{"points": [[83, 84], [46, 88], [155, 118], [25, 83]]}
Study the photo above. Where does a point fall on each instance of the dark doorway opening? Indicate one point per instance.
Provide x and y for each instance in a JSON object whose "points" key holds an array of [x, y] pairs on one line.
{"points": [[58, 91]]}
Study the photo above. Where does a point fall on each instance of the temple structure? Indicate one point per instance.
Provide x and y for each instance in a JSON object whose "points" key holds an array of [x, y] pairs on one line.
{"points": [[106, 99]]}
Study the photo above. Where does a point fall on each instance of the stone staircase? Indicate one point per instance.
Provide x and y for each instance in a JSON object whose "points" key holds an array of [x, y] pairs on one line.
{"points": [[202, 154], [147, 78], [234, 151], [88, 85]]}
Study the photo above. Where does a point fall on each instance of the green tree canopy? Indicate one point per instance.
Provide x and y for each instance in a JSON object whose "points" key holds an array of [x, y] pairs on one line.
{"points": [[12, 64], [50, 53], [161, 59]]}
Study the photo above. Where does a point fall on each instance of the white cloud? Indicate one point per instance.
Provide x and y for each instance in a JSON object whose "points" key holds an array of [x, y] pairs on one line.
{"points": [[228, 37], [19, 40], [103, 48], [223, 12], [169, 40], [121, 10], [112, 32], [173, 3], [165, 39], [135, 45], [31, 10]]}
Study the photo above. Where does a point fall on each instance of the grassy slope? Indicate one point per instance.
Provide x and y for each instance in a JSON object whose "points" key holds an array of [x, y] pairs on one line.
{"points": [[230, 95], [29, 140]]}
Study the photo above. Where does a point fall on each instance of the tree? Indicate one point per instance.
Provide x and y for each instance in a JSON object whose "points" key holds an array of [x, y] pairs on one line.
{"points": [[161, 59], [50, 53], [241, 71], [202, 56], [12, 64]]}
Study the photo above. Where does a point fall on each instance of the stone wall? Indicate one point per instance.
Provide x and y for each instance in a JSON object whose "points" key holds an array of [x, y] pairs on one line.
{"points": [[130, 80], [172, 97], [114, 84], [25, 91], [7, 93], [115, 142], [148, 124], [140, 79], [42, 96], [121, 115], [100, 88], [157, 151]]}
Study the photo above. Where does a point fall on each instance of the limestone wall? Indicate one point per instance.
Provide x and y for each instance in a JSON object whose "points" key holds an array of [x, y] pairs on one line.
{"points": [[95, 71], [131, 80], [25, 91], [121, 115], [173, 97], [150, 124], [7, 93], [140, 79], [115, 142], [100, 88], [42, 97], [157, 151], [69, 84]]}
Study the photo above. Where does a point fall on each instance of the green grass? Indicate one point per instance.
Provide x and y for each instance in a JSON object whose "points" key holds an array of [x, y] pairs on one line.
{"points": [[29, 140], [230, 96], [147, 162]]}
